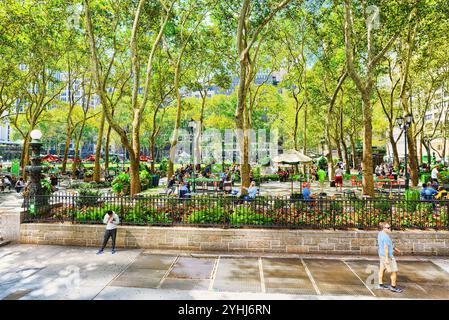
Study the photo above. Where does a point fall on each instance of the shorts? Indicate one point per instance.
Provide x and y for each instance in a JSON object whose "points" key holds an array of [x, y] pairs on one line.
{"points": [[391, 267], [339, 180]]}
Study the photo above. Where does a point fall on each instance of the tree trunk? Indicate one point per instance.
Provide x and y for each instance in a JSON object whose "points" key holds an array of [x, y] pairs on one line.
{"points": [[153, 154], [174, 141], [134, 170], [25, 155], [66, 149], [346, 152], [77, 146], [353, 151], [295, 129], [413, 157], [305, 130], [367, 161], [106, 150], [394, 147], [97, 168]]}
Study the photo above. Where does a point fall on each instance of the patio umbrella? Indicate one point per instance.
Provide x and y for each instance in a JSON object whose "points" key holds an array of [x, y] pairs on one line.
{"points": [[292, 157], [90, 158], [145, 158], [50, 158]]}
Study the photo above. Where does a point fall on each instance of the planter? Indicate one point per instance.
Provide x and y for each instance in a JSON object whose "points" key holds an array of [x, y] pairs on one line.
{"points": [[88, 179]]}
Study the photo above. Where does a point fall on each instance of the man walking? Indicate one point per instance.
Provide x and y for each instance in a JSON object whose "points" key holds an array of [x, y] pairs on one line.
{"points": [[111, 220], [387, 260]]}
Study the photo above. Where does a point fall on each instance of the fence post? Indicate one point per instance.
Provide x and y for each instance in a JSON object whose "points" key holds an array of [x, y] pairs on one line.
{"points": [[391, 214], [447, 214], [333, 214], [74, 211]]}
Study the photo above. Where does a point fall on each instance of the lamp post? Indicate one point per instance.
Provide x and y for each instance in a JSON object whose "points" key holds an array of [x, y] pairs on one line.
{"points": [[35, 187], [192, 126], [404, 124]]}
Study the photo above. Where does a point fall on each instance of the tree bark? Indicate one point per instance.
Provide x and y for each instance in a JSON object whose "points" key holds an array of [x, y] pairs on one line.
{"points": [[77, 146], [106, 150], [66, 148], [97, 167], [367, 161]]}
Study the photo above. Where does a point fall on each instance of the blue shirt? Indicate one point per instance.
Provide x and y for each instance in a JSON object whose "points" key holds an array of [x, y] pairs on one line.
{"points": [[428, 193], [252, 192], [306, 193], [384, 239]]}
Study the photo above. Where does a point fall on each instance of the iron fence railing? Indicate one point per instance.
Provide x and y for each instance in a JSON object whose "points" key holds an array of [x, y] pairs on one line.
{"points": [[229, 212]]}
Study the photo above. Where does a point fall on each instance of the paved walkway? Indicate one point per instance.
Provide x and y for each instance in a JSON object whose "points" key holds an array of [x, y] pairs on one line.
{"points": [[55, 272]]}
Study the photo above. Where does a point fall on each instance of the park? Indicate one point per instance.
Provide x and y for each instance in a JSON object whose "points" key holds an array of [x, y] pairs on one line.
{"points": [[238, 147]]}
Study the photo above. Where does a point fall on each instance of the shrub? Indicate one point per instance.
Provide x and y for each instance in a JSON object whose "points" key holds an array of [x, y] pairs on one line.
{"points": [[208, 215], [243, 215], [383, 206], [146, 179], [121, 184], [89, 173], [47, 188], [163, 165], [322, 162], [87, 196]]}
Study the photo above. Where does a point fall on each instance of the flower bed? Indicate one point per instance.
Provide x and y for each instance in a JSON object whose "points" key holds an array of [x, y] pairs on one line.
{"points": [[269, 212]]}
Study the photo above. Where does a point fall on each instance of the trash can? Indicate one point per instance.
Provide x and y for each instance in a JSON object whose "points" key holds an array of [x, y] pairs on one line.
{"points": [[155, 181]]}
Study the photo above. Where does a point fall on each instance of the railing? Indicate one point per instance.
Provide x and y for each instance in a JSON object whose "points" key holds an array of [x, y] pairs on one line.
{"points": [[229, 212]]}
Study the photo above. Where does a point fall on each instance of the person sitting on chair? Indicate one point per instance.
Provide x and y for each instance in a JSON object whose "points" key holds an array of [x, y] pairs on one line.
{"points": [[171, 186], [252, 191], [184, 191], [427, 193], [442, 193]]}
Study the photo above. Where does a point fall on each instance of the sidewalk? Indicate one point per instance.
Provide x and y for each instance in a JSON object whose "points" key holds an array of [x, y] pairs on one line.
{"points": [[55, 272]]}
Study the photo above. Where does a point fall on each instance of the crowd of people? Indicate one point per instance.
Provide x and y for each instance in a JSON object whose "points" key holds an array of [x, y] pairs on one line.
{"points": [[9, 182], [182, 177]]}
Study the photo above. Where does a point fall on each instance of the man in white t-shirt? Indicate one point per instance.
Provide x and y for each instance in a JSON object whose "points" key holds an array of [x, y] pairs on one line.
{"points": [[339, 178], [111, 220], [434, 175]]}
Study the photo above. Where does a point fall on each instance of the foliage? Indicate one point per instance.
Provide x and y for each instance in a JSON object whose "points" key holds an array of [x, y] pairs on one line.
{"points": [[87, 196], [207, 215], [322, 162], [121, 184], [47, 188]]}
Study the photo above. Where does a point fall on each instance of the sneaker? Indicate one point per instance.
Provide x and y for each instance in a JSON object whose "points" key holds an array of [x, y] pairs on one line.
{"points": [[100, 252], [383, 286], [396, 289], [113, 251]]}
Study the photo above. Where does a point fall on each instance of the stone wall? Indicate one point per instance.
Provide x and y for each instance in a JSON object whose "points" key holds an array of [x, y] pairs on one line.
{"points": [[238, 240], [10, 224]]}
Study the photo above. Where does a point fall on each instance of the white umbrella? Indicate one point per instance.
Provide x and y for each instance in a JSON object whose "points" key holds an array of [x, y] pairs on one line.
{"points": [[292, 157]]}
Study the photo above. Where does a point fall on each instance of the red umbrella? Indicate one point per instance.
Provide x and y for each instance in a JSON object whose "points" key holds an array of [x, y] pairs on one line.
{"points": [[145, 158], [50, 158], [90, 158]]}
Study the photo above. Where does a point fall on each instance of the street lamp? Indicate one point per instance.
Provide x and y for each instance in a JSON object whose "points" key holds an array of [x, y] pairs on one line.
{"points": [[323, 141], [35, 187], [404, 124], [192, 125]]}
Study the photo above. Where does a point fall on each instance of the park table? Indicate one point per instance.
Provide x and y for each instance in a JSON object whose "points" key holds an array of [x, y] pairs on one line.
{"points": [[205, 181], [386, 181]]}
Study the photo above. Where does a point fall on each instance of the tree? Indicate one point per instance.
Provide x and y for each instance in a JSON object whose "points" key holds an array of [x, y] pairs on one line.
{"points": [[365, 84]]}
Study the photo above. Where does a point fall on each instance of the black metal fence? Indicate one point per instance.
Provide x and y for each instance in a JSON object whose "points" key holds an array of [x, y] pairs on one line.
{"points": [[229, 212]]}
